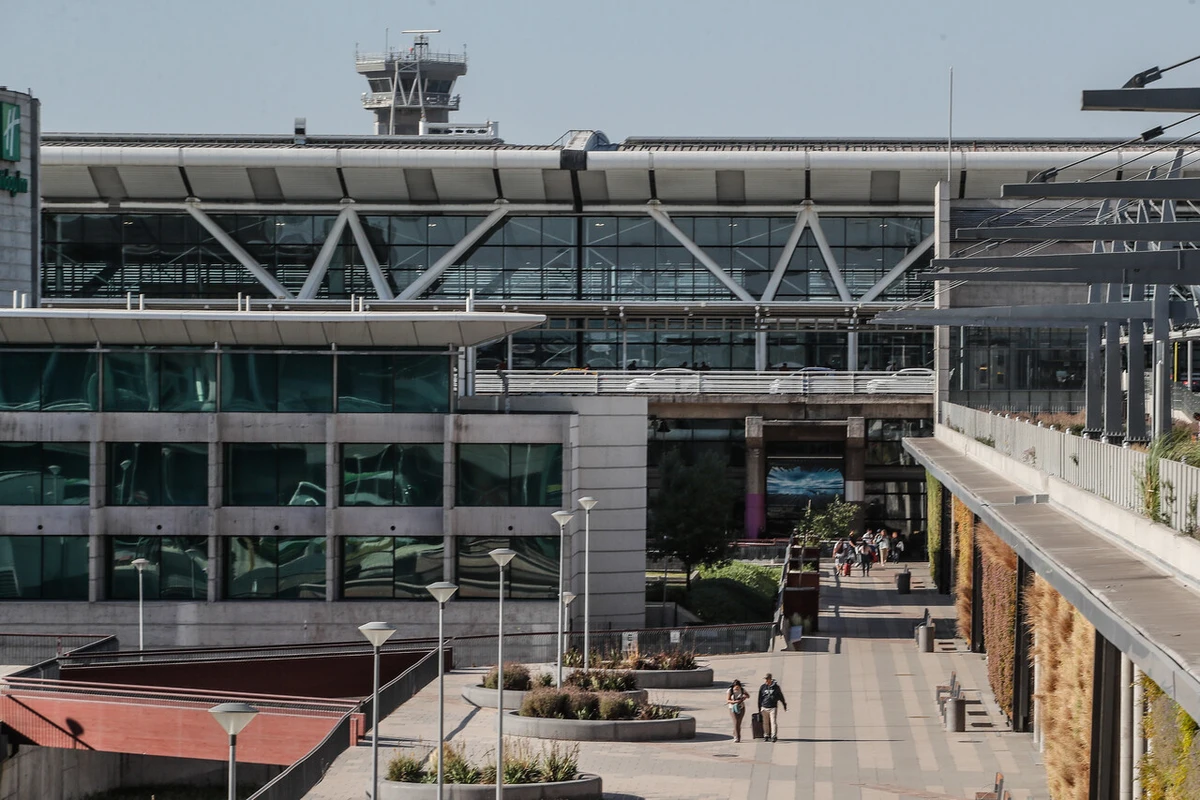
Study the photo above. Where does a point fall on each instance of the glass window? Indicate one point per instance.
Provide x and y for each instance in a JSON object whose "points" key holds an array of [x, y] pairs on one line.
{"points": [[305, 383], [536, 471], [391, 566], [130, 381], [274, 474], [364, 383], [157, 474], [532, 574], [178, 568], [44, 474], [277, 382], [44, 567], [394, 384], [422, 384], [187, 381], [392, 475], [509, 474], [275, 568], [20, 381]]}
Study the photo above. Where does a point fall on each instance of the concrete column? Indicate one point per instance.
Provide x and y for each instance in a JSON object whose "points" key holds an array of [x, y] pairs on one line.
{"points": [[1139, 733], [856, 459], [941, 299], [97, 479], [449, 492], [760, 351], [852, 351], [1125, 773], [756, 478], [216, 469], [1105, 761], [333, 493]]}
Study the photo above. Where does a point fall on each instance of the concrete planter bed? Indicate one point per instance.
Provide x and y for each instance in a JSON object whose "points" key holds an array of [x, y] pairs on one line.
{"points": [[697, 678], [613, 730], [478, 695], [585, 787]]}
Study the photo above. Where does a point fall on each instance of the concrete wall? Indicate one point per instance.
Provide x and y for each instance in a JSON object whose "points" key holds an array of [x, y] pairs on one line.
{"points": [[19, 238]]}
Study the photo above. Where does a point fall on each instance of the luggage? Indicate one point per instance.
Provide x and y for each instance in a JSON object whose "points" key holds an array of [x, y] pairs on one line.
{"points": [[756, 728], [846, 569]]}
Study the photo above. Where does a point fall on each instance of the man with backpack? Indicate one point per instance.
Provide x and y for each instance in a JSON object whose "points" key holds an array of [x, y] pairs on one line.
{"points": [[770, 697]]}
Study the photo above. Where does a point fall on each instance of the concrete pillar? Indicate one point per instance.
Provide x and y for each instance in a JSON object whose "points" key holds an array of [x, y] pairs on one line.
{"points": [[852, 351], [1114, 396], [941, 299], [333, 495], [1139, 732], [756, 478], [760, 351], [856, 459], [1105, 761], [1125, 774]]}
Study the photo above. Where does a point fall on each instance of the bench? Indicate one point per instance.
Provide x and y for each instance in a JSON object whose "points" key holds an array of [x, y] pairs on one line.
{"points": [[926, 620], [947, 691], [998, 791]]}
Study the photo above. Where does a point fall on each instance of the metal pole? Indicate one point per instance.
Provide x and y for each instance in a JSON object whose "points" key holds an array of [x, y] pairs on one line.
{"points": [[141, 626], [375, 730], [587, 588], [950, 132], [441, 753], [233, 766], [500, 696], [562, 529]]}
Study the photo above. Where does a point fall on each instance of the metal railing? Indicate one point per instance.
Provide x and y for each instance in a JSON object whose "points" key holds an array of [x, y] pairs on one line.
{"points": [[384, 100], [700, 382], [413, 56], [78, 658]]}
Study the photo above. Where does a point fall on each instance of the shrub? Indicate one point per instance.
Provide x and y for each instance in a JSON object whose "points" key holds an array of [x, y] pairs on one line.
{"points": [[405, 768], [677, 659], [603, 680], [521, 765], [583, 705], [614, 706], [724, 601], [457, 768], [544, 679], [516, 677], [760, 578], [546, 704], [657, 711], [560, 763]]}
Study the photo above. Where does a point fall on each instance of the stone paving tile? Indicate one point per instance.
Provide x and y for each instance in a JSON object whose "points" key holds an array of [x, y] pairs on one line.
{"points": [[862, 723]]}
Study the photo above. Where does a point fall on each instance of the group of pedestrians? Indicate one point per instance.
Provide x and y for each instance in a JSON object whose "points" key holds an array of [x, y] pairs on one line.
{"points": [[770, 700], [873, 547]]}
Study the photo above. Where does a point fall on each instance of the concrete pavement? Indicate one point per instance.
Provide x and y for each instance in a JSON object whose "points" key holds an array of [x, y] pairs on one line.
{"points": [[862, 723]]}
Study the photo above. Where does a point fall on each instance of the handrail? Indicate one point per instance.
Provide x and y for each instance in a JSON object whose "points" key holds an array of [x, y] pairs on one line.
{"points": [[672, 381]]}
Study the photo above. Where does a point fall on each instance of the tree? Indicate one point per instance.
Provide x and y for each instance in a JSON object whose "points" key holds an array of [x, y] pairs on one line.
{"points": [[690, 516], [834, 522]]}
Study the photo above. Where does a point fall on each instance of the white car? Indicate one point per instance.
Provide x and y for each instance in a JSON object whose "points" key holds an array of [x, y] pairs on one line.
{"points": [[676, 379], [809, 380], [915, 380]]}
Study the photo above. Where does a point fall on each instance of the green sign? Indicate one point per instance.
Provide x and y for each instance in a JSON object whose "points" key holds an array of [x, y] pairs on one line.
{"points": [[13, 183], [10, 132]]}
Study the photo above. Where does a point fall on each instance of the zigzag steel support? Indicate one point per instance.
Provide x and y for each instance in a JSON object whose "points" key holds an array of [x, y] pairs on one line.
{"points": [[236, 250], [435, 271], [831, 264], [897, 270], [317, 274], [789, 248], [663, 220], [382, 290]]}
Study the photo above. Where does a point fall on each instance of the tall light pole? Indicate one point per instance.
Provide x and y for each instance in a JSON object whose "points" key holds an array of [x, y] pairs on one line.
{"points": [[501, 555], [562, 518], [566, 598], [588, 503], [141, 564], [441, 591], [233, 717], [377, 633]]}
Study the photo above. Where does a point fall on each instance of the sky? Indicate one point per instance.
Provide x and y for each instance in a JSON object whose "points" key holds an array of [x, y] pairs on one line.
{"points": [[714, 68]]}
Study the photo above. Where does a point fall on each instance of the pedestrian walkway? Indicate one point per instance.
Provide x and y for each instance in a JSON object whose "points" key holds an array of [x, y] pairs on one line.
{"points": [[862, 723]]}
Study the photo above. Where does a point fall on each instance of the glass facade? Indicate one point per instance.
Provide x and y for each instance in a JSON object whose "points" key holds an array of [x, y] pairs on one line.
{"points": [[795, 349], [178, 568], [531, 575], [392, 474], [397, 567], [44, 473], [157, 474], [510, 475], [898, 505], [146, 380], [883, 440], [48, 380], [1018, 368], [274, 474], [393, 384], [44, 567], [275, 568], [267, 382]]}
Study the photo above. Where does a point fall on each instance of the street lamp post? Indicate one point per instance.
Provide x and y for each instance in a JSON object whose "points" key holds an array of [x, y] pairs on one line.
{"points": [[377, 633], [501, 556], [141, 564], [233, 717], [588, 504], [566, 598], [441, 591], [562, 518]]}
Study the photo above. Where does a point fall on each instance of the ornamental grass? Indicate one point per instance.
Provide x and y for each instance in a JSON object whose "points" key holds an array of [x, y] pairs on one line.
{"points": [[964, 585]]}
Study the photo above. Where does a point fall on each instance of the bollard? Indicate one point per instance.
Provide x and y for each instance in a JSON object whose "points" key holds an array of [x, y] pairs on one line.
{"points": [[924, 638], [956, 714], [904, 582]]}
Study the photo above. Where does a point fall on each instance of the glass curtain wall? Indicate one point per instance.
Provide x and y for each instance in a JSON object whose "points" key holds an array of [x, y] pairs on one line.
{"points": [[274, 474], [157, 474], [392, 474], [404, 384], [509, 475], [1018, 368], [275, 568], [178, 568], [398, 567], [44, 567], [48, 380], [44, 473], [532, 574], [267, 382], [145, 380]]}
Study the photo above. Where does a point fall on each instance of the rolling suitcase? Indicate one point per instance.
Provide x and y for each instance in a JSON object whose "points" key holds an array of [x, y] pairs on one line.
{"points": [[846, 569], [756, 729]]}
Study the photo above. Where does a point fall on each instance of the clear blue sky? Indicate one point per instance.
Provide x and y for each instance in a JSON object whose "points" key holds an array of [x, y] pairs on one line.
{"points": [[628, 67]]}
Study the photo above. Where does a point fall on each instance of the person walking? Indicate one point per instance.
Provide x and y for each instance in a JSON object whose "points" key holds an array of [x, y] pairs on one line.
{"points": [[885, 546], [736, 699], [865, 555], [770, 697]]}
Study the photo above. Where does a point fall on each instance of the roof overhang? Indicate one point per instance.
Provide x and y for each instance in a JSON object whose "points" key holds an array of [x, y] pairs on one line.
{"points": [[39, 326]]}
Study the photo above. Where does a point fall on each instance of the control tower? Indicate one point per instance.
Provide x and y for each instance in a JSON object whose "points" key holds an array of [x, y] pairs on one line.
{"points": [[411, 87]]}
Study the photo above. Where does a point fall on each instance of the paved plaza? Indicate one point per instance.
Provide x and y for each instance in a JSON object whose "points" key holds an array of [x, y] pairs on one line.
{"points": [[862, 724]]}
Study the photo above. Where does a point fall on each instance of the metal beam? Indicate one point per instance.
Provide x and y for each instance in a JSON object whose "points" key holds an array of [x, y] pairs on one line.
{"points": [[899, 269], [1149, 275], [382, 290], [831, 264], [1123, 231], [238, 252], [1150, 258], [317, 273], [427, 278], [1165, 189], [1185, 100], [785, 258], [665, 221]]}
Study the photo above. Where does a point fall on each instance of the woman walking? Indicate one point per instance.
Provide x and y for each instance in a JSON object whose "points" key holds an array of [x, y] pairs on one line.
{"points": [[736, 699]]}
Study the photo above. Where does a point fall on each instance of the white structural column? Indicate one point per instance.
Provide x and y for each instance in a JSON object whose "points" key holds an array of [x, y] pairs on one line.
{"points": [[1125, 770], [437, 268], [236, 250], [317, 274], [835, 272], [382, 290], [1139, 731], [895, 272], [785, 257], [663, 220]]}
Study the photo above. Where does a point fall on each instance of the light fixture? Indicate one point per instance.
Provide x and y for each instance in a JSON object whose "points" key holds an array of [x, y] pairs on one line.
{"points": [[501, 555], [562, 518], [233, 718], [377, 633], [587, 503], [141, 564], [441, 591]]}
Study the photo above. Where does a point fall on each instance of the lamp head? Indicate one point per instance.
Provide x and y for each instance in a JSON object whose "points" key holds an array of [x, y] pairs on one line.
{"points": [[233, 716], [567, 597], [377, 632], [441, 591], [562, 518], [502, 555], [141, 563], [588, 503]]}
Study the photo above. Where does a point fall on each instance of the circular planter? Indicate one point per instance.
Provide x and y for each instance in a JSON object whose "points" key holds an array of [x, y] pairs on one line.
{"points": [[697, 678], [585, 787], [482, 697], [614, 730]]}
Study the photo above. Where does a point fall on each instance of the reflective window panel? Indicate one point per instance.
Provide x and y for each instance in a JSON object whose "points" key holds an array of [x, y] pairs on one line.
{"points": [[178, 568], [531, 575], [392, 475], [275, 568], [390, 566], [44, 567], [509, 474], [44, 474], [274, 474], [157, 474]]}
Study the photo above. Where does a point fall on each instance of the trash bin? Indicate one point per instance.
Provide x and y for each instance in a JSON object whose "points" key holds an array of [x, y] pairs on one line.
{"points": [[904, 582], [924, 638]]}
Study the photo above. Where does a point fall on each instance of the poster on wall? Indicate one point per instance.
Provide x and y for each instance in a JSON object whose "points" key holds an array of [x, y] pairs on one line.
{"points": [[794, 483]]}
